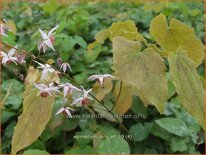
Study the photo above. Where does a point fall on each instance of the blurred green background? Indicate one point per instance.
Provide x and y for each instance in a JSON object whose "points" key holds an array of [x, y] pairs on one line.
{"points": [[79, 22]]}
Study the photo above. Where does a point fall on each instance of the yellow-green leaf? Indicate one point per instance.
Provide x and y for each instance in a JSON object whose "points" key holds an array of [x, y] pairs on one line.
{"points": [[50, 61], [126, 29], [177, 35], [100, 91], [92, 45], [36, 113], [11, 26], [143, 70], [102, 35], [123, 98], [155, 6], [188, 84]]}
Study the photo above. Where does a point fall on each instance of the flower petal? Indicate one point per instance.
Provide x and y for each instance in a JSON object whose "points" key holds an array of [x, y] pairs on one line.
{"points": [[60, 111], [66, 89], [42, 66], [68, 113], [44, 74], [3, 54], [12, 51], [4, 60], [49, 44], [43, 34], [52, 30]]}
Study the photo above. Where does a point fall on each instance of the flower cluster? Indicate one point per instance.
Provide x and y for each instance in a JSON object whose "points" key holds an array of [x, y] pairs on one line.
{"points": [[83, 96], [48, 39], [8, 58]]}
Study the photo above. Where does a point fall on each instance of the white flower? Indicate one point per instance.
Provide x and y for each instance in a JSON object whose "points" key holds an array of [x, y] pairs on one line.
{"points": [[100, 77], [45, 90], [45, 69], [84, 100], [48, 39], [68, 88], [66, 111], [3, 30], [8, 58], [64, 66]]}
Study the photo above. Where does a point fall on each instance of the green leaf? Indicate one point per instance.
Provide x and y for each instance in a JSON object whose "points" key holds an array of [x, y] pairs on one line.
{"points": [[113, 146], [108, 130], [50, 6], [88, 122], [160, 132], [6, 115], [138, 107], [150, 151], [13, 102], [179, 144], [35, 151], [69, 124], [174, 126], [140, 132], [143, 70], [84, 137], [177, 35], [10, 129], [10, 39], [92, 54], [46, 134], [68, 43], [16, 86], [79, 150], [36, 113], [80, 41], [188, 84], [36, 145]]}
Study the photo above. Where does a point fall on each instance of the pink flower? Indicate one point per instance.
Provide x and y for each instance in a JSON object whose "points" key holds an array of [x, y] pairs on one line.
{"points": [[59, 61], [48, 39], [66, 111], [100, 77], [21, 58], [46, 68], [64, 66], [8, 58], [68, 88], [3, 30], [84, 100], [45, 90]]}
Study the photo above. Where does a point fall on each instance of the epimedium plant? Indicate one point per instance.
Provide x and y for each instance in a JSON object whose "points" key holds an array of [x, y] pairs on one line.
{"points": [[138, 65]]}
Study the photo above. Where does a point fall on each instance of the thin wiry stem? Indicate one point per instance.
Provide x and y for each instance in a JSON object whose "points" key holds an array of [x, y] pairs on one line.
{"points": [[120, 90], [62, 73]]}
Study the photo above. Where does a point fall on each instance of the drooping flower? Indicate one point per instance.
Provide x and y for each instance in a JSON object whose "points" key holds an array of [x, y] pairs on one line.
{"points": [[45, 69], [3, 30], [84, 100], [21, 76], [64, 66], [21, 58], [45, 90], [65, 110], [8, 58], [68, 88], [59, 61], [100, 77], [48, 39]]}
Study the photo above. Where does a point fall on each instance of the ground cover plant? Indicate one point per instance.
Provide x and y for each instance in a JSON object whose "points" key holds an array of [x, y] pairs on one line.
{"points": [[102, 77]]}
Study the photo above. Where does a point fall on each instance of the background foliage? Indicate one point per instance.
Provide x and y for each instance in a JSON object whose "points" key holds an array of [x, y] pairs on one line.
{"points": [[173, 132]]}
